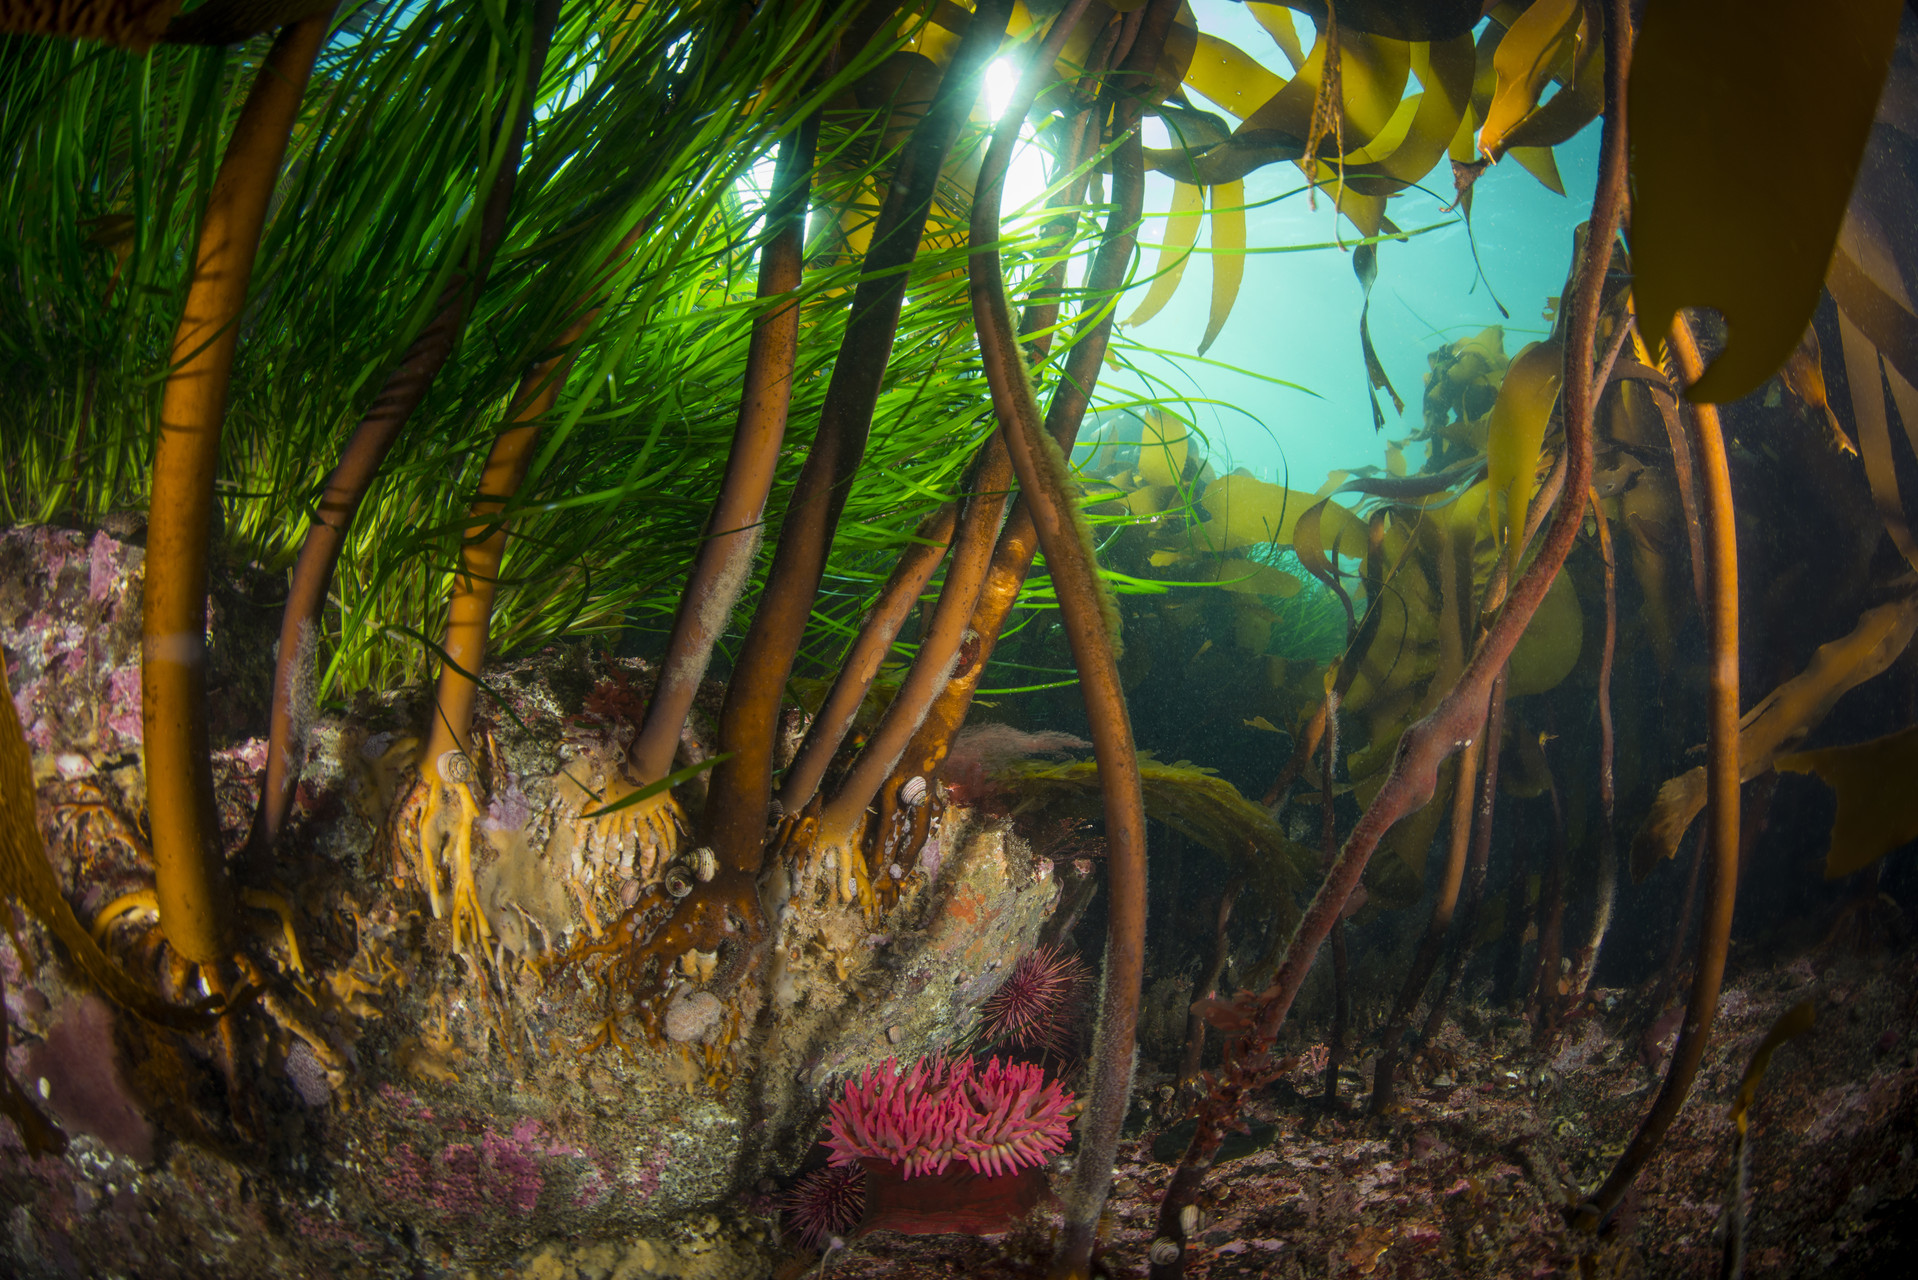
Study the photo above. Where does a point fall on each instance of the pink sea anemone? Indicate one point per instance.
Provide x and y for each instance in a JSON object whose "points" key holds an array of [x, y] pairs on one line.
{"points": [[1040, 1005], [825, 1203], [999, 1120]]}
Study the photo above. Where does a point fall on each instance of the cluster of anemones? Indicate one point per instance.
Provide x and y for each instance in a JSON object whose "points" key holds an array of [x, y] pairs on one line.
{"points": [[1003, 1118]]}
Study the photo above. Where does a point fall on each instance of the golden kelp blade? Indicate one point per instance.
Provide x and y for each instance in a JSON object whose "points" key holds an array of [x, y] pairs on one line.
{"points": [[1864, 370], [1876, 326], [1720, 91], [1248, 512], [1277, 21], [1804, 376], [1524, 405], [1877, 798], [1780, 719], [1181, 233], [1549, 649], [1446, 72], [1228, 255], [1163, 443], [1541, 164], [1532, 50], [1573, 107], [27, 877], [1229, 77]]}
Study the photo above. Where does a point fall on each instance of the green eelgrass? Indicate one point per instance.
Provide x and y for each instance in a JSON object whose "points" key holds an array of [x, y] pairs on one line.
{"points": [[646, 115]]}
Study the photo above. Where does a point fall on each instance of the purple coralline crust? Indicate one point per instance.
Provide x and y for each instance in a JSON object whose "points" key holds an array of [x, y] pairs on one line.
{"points": [[70, 633], [504, 1172], [70, 630]]}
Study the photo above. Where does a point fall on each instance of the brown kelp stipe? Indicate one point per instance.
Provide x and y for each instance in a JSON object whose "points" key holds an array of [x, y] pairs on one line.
{"points": [[1050, 497], [1541, 1001], [1605, 866], [740, 794], [1722, 774], [897, 600], [1456, 719], [196, 902], [982, 512], [360, 462], [1432, 943], [469, 609], [1019, 540], [986, 494], [1483, 810], [1335, 1045], [725, 558], [1208, 986]]}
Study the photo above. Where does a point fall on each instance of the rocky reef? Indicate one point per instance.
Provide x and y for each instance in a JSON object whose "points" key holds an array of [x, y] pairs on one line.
{"points": [[402, 1106]]}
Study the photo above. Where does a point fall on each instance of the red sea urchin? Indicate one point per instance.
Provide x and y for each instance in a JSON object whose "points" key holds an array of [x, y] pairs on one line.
{"points": [[999, 1120], [825, 1203], [1039, 1005]]}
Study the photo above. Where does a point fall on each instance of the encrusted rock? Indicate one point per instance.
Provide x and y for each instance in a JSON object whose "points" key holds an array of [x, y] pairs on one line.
{"points": [[693, 1017]]}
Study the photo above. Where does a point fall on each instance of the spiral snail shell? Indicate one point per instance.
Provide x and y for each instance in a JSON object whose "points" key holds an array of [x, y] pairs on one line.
{"points": [[705, 863], [1165, 1251], [455, 766], [679, 879], [912, 792]]}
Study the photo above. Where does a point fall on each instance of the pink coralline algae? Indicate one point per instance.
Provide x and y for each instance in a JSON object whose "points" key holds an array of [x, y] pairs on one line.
{"points": [[1004, 1118], [507, 1172]]}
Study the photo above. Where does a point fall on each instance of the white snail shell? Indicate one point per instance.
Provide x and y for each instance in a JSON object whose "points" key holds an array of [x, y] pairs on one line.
{"points": [[1189, 1220], [1165, 1250], [912, 792], [455, 766], [705, 863]]}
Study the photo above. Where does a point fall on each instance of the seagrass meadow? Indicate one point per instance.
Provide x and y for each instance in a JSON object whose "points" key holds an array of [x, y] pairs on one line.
{"points": [[1020, 638]]}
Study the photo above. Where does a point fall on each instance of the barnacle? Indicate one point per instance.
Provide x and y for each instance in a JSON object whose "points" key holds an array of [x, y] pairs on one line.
{"points": [[611, 842]]}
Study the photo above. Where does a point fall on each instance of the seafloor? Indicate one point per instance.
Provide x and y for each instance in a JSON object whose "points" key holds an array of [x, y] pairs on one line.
{"points": [[1474, 1174], [405, 1107]]}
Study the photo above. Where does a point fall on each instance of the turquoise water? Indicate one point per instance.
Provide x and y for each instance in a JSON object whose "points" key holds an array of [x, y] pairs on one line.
{"points": [[1297, 316]]}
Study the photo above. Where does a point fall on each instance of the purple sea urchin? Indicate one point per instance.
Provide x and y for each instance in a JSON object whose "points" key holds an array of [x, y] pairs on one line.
{"points": [[826, 1202], [1038, 1007]]}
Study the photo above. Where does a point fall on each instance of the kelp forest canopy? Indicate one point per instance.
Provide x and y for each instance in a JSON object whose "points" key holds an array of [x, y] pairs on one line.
{"points": [[590, 520]]}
